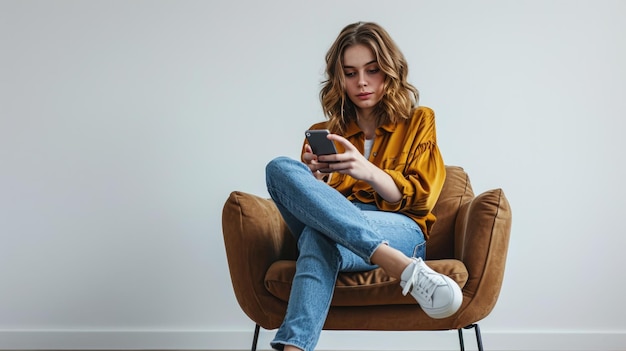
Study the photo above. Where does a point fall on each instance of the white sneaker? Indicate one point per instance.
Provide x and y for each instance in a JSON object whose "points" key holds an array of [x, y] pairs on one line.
{"points": [[438, 295]]}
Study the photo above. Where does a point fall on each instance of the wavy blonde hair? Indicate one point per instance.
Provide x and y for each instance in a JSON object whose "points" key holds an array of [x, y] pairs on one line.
{"points": [[399, 98]]}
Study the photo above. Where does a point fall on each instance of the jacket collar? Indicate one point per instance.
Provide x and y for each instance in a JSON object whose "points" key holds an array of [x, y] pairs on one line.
{"points": [[353, 129]]}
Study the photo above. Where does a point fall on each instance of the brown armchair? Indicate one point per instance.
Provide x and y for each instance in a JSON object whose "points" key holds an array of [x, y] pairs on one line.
{"points": [[469, 243]]}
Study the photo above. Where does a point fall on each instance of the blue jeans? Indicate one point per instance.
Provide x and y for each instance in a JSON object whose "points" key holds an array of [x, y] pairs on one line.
{"points": [[333, 235]]}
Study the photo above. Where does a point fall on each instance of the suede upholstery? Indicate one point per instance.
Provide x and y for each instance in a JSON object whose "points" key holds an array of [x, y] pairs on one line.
{"points": [[469, 243]]}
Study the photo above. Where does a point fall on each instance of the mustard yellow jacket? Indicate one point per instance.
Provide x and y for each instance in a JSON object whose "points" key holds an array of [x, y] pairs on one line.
{"points": [[408, 152]]}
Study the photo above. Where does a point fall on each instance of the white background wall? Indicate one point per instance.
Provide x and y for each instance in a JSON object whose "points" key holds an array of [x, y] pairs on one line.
{"points": [[125, 125]]}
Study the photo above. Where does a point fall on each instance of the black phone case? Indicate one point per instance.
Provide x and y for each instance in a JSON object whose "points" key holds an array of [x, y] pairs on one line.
{"points": [[319, 144]]}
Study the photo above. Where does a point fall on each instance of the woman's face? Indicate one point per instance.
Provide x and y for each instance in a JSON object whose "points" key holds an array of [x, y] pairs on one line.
{"points": [[363, 78]]}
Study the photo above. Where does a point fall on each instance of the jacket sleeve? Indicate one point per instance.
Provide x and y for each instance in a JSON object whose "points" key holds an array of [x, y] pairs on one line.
{"points": [[423, 174]]}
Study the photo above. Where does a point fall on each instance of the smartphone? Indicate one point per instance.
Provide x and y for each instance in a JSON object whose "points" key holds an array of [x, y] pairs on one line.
{"points": [[319, 143]]}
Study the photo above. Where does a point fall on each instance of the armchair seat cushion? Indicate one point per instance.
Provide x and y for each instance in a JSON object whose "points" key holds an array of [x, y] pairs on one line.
{"points": [[368, 288]]}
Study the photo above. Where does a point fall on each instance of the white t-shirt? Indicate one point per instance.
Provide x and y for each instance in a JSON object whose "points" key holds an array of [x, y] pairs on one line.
{"points": [[368, 148]]}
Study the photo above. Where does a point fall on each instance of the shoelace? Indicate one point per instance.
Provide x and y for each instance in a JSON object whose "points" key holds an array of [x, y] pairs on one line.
{"points": [[424, 284]]}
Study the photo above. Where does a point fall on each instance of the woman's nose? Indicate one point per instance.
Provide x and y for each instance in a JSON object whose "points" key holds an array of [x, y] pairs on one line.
{"points": [[362, 81]]}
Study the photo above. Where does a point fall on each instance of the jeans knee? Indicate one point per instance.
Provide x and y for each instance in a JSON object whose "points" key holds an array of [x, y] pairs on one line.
{"points": [[275, 168], [282, 168], [280, 165], [275, 164]]}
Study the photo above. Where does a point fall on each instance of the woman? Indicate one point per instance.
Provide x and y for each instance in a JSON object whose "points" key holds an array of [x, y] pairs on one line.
{"points": [[369, 205]]}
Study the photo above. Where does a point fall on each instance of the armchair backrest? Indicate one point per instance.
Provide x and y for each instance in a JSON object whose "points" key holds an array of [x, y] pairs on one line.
{"points": [[456, 192], [474, 229]]}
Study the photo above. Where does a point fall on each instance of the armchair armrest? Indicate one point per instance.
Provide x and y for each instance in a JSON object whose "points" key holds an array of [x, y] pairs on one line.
{"points": [[255, 236], [482, 233]]}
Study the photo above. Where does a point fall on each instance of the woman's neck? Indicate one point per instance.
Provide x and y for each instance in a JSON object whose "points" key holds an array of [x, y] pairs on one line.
{"points": [[367, 123]]}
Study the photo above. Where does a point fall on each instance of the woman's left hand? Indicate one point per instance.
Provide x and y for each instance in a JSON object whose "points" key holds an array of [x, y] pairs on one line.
{"points": [[350, 162], [354, 164]]}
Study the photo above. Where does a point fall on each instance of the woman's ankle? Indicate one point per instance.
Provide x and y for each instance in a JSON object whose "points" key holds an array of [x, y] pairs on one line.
{"points": [[391, 260]]}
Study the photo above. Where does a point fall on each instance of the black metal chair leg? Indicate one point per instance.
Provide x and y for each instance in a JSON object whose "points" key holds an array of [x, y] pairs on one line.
{"points": [[461, 339], [479, 340], [255, 340]]}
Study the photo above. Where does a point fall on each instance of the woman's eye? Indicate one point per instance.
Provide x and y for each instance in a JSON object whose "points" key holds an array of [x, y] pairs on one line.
{"points": [[375, 70], [350, 74]]}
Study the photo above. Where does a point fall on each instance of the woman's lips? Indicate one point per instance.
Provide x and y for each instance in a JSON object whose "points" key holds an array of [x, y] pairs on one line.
{"points": [[364, 96]]}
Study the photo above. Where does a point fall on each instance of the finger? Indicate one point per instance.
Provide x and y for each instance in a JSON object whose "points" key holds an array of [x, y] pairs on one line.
{"points": [[308, 158], [331, 167], [308, 155], [347, 145]]}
